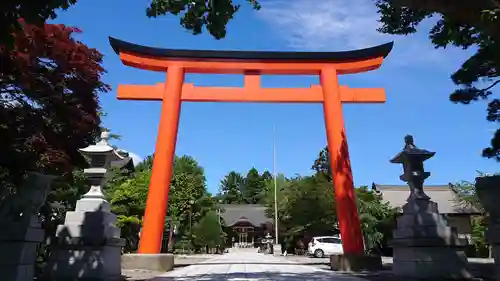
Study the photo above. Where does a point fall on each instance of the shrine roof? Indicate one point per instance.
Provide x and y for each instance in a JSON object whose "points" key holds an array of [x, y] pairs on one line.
{"points": [[275, 56], [252, 213], [444, 195]]}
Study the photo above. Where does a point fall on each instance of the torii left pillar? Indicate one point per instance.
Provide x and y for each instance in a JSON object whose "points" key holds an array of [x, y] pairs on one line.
{"points": [[159, 186], [251, 64]]}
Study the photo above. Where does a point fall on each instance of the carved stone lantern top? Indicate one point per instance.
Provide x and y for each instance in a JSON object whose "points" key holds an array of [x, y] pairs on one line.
{"points": [[413, 159], [412, 152], [99, 156]]}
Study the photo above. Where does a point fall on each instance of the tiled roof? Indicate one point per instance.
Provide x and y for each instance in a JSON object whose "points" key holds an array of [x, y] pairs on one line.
{"points": [[252, 213], [444, 195], [122, 163]]}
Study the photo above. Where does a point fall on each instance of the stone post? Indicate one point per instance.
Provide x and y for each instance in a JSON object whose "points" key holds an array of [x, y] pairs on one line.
{"points": [[488, 191], [88, 245], [21, 230], [424, 244]]}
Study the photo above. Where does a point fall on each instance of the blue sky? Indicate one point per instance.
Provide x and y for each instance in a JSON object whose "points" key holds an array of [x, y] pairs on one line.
{"points": [[238, 136]]}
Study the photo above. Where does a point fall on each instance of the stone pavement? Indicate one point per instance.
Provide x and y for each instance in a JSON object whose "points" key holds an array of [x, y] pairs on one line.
{"points": [[244, 264]]}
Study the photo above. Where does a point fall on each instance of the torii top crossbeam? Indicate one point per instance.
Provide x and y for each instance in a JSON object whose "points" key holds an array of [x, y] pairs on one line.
{"points": [[328, 65]]}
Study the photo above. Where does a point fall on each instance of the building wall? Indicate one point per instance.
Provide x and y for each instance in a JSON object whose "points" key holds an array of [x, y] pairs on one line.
{"points": [[462, 223]]}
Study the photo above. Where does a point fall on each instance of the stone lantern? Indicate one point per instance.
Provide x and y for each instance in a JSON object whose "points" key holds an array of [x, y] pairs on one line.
{"points": [[413, 159], [269, 244], [88, 244], [99, 157], [423, 241]]}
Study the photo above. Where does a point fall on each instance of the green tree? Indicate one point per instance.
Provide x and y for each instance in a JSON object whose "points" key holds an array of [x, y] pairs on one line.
{"points": [[32, 12], [376, 218], [253, 187], [188, 198], [322, 164], [207, 232], [146, 164], [195, 15], [306, 206], [266, 175], [467, 198], [464, 24], [128, 202], [230, 188]]}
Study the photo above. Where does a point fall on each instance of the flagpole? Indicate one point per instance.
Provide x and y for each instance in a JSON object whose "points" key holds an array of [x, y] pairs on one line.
{"points": [[275, 187]]}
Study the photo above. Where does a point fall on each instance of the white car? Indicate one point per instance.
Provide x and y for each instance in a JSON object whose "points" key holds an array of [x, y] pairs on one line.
{"points": [[322, 246]]}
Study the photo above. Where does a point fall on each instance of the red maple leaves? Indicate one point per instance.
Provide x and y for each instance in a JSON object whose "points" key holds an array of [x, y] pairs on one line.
{"points": [[49, 106]]}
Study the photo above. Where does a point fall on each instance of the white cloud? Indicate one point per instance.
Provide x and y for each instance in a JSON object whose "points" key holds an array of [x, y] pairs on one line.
{"points": [[336, 25], [320, 25]]}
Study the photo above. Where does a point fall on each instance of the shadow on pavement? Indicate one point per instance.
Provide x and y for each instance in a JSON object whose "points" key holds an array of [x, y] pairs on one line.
{"points": [[263, 276], [481, 271]]}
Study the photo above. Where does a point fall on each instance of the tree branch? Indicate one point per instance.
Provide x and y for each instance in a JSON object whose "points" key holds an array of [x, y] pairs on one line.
{"points": [[459, 10], [491, 86]]}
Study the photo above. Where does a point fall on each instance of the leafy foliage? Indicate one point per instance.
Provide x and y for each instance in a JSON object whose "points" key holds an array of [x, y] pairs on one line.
{"points": [[322, 165], [467, 197], [189, 200], [128, 201], [253, 187], [214, 15], [305, 206], [208, 231], [464, 24], [376, 218], [230, 188], [146, 164], [49, 108], [33, 12], [237, 189]]}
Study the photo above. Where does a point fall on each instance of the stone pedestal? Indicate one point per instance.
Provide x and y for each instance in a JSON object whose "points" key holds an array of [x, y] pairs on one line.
{"points": [[277, 249], [88, 245], [354, 263], [18, 249], [425, 246], [488, 191], [155, 262]]}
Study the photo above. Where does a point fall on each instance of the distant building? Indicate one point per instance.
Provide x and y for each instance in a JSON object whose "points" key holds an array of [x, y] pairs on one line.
{"points": [[459, 216], [126, 164], [245, 224]]}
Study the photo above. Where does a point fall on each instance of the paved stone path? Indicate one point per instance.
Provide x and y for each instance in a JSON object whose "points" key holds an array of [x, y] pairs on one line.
{"points": [[242, 265]]}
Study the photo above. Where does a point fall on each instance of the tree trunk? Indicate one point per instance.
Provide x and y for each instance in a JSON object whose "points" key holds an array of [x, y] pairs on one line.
{"points": [[170, 245]]}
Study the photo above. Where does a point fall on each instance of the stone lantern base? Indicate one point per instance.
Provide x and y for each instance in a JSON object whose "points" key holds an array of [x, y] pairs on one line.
{"points": [[88, 246], [425, 246], [488, 191], [18, 248]]}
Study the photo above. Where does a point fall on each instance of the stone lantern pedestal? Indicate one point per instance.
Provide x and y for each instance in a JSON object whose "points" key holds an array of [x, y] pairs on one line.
{"points": [[424, 244], [88, 245], [21, 231], [488, 191]]}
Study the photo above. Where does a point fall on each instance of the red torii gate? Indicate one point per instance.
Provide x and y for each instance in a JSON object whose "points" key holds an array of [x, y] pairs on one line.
{"points": [[328, 65]]}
